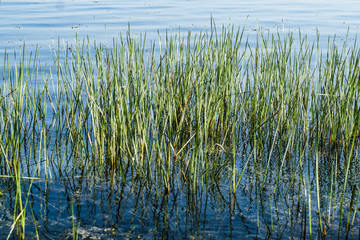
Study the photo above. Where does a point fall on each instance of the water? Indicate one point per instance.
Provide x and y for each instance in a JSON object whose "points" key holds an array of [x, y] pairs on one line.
{"points": [[125, 211], [42, 23], [104, 210]]}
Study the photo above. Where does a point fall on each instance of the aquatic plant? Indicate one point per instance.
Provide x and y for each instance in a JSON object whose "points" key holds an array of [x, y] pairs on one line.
{"points": [[275, 121]]}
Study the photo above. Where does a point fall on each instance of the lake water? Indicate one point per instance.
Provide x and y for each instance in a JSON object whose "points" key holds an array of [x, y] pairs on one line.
{"points": [[42, 23], [115, 211]]}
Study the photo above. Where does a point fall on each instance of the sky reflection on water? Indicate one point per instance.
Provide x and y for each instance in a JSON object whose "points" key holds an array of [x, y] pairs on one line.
{"points": [[42, 23]]}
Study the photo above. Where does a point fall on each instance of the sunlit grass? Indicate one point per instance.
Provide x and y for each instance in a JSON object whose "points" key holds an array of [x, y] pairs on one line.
{"points": [[275, 119]]}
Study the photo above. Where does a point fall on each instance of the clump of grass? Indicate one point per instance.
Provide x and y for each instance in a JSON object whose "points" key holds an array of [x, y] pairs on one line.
{"points": [[192, 113]]}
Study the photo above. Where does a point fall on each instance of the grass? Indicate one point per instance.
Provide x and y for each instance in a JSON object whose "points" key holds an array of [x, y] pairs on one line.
{"points": [[278, 120]]}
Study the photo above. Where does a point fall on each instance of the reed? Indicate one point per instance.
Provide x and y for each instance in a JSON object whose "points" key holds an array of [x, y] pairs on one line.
{"points": [[192, 113]]}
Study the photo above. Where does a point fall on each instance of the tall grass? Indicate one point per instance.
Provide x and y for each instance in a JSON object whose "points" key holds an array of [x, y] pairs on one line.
{"points": [[277, 119]]}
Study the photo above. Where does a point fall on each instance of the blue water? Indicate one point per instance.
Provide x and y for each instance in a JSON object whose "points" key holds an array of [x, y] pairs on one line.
{"points": [[43, 23]]}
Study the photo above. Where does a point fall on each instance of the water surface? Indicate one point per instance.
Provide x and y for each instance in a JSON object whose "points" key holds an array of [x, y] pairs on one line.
{"points": [[42, 23]]}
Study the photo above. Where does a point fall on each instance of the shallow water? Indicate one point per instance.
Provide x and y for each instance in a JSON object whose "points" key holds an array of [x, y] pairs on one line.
{"points": [[105, 210]]}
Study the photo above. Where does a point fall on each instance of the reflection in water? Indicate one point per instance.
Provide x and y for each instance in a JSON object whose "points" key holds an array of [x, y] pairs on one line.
{"points": [[103, 210]]}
